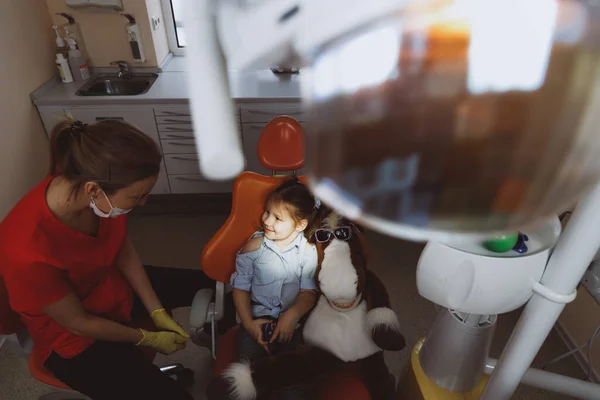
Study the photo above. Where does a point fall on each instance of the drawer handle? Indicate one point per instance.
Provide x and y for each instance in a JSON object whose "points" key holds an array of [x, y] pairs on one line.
{"points": [[173, 128], [110, 118], [185, 159], [181, 144], [190, 179], [176, 114], [180, 136], [274, 113], [174, 120]]}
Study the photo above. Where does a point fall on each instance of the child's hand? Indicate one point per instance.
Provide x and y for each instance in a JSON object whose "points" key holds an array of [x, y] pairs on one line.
{"points": [[255, 330], [285, 327]]}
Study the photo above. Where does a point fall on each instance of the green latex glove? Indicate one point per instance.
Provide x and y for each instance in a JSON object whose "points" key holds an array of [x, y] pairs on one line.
{"points": [[163, 342], [163, 320]]}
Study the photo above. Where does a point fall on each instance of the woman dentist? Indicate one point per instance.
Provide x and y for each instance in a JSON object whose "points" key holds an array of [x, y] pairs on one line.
{"points": [[73, 275]]}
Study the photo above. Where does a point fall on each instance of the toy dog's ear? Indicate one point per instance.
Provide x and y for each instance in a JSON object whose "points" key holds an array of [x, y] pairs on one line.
{"points": [[357, 228], [315, 222]]}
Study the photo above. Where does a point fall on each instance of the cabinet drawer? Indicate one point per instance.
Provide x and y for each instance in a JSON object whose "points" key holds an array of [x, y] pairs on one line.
{"points": [[143, 119], [185, 163], [176, 135], [179, 111], [175, 128], [172, 111], [197, 184], [174, 120], [265, 113], [162, 183], [180, 146]]}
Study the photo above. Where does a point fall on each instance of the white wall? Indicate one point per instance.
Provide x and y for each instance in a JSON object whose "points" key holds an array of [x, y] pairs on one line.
{"points": [[159, 35], [27, 53], [105, 36]]}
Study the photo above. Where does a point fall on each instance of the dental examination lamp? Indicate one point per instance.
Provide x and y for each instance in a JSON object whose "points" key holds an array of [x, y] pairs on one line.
{"points": [[447, 121]]}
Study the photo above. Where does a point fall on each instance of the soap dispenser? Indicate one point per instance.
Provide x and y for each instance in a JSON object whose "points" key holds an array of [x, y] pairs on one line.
{"points": [[73, 31], [61, 47], [77, 62], [134, 37]]}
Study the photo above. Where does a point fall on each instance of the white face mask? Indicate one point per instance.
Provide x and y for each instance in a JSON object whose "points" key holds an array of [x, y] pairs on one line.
{"points": [[113, 213]]}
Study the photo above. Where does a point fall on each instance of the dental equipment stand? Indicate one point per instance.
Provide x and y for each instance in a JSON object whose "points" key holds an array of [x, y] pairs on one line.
{"points": [[570, 259], [454, 355]]}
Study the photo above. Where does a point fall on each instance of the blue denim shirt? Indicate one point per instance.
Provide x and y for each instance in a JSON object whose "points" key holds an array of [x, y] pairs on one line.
{"points": [[274, 277]]}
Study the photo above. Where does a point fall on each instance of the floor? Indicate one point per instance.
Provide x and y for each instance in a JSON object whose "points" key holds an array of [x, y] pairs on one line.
{"points": [[177, 241]]}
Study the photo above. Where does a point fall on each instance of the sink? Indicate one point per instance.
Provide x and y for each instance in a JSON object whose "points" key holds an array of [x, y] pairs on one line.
{"points": [[112, 85]]}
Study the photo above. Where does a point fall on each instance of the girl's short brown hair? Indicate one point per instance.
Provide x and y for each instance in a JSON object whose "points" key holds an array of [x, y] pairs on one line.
{"points": [[112, 153], [297, 200]]}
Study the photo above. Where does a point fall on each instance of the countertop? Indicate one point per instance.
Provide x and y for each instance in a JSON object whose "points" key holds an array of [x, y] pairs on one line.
{"points": [[171, 88]]}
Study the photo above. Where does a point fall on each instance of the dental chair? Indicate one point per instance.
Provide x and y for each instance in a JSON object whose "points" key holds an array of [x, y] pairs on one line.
{"points": [[10, 323], [281, 150]]}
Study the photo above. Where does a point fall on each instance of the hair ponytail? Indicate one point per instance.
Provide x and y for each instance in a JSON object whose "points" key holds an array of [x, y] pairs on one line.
{"points": [[112, 153], [60, 143]]}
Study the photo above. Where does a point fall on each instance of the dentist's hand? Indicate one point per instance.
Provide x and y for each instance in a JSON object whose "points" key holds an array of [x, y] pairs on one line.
{"points": [[163, 321], [163, 342]]}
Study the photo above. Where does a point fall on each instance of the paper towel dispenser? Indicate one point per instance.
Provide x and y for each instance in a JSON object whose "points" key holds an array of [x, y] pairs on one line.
{"points": [[96, 5]]}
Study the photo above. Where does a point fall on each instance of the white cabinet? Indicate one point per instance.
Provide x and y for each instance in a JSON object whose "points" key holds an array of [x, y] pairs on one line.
{"points": [[51, 118], [141, 118], [266, 112], [176, 133], [172, 128]]}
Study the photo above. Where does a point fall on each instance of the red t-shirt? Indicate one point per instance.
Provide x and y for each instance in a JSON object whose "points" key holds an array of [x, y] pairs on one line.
{"points": [[42, 260]]}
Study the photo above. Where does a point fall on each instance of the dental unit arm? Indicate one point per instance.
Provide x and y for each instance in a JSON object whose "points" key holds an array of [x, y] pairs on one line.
{"points": [[432, 121]]}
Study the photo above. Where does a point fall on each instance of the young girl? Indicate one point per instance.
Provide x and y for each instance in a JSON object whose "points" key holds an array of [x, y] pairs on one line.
{"points": [[273, 281]]}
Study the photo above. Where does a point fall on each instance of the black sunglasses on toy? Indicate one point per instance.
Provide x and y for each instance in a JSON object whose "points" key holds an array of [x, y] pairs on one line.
{"points": [[341, 233]]}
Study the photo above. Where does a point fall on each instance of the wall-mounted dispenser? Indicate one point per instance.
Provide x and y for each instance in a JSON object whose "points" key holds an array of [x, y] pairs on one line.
{"points": [[134, 37], [96, 5], [73, 31]]}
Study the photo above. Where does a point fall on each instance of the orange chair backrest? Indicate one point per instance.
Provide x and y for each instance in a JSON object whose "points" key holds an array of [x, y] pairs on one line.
{"points": [[250, 191], [281, 145]]}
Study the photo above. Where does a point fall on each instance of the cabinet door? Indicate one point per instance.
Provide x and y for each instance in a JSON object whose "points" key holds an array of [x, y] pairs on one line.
{"points": [[51, 118], [141, 118]]}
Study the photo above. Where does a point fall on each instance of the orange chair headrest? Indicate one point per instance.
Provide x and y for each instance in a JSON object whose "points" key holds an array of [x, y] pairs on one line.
{"points": [[281, 145]]}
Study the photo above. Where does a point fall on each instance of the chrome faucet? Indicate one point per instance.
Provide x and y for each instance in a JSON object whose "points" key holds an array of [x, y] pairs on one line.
{"points": [[123, 68]]}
